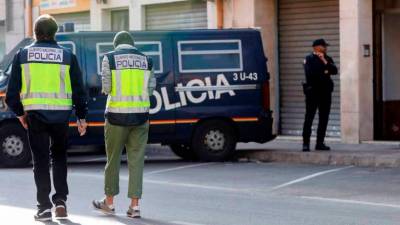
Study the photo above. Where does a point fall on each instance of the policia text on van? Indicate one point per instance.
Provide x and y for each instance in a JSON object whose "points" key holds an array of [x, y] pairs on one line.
{"points": [[212, 91]]}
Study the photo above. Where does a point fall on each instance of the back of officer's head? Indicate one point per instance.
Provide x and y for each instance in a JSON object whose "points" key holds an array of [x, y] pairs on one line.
{"points": [[123, 37], [45, 28]]}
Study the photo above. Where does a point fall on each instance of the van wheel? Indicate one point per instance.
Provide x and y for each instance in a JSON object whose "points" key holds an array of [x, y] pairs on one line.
{"points": [[14, 147], [214, 140], [183, 151]]}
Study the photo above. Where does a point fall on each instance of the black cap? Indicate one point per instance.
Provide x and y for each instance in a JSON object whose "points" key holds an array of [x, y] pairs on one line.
{"points": [[320, 42]]}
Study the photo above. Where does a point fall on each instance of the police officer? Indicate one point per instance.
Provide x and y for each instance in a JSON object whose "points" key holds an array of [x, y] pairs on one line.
{"points": [[45, 84], [318, 67], [127, 78]]}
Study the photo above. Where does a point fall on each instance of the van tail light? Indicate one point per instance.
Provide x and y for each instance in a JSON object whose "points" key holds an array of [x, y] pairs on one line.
{"points": [[265, 96]]}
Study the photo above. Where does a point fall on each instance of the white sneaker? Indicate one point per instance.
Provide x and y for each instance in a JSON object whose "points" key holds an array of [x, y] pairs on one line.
{"points": [[133, 212]]}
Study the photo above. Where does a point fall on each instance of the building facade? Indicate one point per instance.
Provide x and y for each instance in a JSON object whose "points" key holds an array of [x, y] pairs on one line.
{"points": [[14, 22], [2, 28], [65, 11], [150, 14], [363, 35]]}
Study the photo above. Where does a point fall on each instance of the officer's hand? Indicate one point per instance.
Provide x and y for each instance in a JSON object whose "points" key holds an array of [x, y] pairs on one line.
{"points": [[82, 125], [23, 121], [322, 57]]}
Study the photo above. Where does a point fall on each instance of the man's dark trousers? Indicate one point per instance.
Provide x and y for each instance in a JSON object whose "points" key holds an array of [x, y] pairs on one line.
{"points": [[322, 102], [46, 138]]}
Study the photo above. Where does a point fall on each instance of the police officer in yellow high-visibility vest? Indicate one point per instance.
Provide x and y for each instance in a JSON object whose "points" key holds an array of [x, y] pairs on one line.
{"points": [[45, 85], [127, 78]]}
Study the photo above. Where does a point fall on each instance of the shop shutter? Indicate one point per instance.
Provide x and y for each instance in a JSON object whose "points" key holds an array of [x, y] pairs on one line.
{"points": [[301, 22], [177, 15]]}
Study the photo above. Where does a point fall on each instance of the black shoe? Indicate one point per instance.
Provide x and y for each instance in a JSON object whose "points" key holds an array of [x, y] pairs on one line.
{"points": [[306, 148], [43, 215], [61, 210], [322, 147]]}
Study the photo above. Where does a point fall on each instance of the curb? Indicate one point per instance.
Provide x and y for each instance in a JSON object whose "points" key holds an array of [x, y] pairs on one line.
{"points": [[387, 159]]}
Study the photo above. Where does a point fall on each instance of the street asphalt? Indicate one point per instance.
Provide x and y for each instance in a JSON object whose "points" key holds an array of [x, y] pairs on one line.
{"points": [[231, 193]]}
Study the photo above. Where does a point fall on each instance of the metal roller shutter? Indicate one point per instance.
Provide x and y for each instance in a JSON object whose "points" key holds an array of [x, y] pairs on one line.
{"points": [[301, 22], [177, 15]]}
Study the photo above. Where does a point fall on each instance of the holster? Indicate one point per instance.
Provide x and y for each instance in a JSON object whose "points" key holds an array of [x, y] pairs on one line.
{"points": [[306, 88]]}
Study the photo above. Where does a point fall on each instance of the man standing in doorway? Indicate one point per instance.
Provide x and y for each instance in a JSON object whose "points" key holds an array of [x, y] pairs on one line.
{"points": [[45, 84], [127, 78], [318, 67]]}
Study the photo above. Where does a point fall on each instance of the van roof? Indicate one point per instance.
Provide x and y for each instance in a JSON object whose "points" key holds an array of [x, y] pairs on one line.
{"points": [[163, 32]]}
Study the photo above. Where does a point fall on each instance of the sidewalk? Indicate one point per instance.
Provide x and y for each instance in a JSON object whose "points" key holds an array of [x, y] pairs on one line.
{"points": [[288, 150]]}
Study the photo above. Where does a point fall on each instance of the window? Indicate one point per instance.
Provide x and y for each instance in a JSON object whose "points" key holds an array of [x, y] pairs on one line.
{"points": [[210, 56], [120, 20], [153, 49], [68, 44]]}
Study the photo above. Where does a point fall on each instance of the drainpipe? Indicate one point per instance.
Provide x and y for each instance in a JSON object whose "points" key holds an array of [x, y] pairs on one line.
{"points": [[220, 13], [28, 18]]}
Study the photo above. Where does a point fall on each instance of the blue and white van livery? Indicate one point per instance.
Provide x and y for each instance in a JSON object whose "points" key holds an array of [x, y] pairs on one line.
{"points": [[212, 92]]}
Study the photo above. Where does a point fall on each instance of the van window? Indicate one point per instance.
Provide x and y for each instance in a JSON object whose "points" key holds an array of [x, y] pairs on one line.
{"points": [[153, 49], [210, 56], [68, 44]]}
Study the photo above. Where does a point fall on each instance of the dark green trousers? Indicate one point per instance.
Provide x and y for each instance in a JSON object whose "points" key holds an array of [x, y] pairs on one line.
{"points": [[134, 139]]}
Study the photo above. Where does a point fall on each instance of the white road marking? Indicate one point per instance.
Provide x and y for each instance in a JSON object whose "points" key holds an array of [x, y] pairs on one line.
{"points": [[185, 223], [178, 168], [302, 179], [169, 183], [208, 187], [352, 202]]}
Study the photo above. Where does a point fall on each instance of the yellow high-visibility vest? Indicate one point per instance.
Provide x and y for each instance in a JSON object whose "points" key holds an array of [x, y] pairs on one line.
{"points": [[46, 86], [129, 91]]}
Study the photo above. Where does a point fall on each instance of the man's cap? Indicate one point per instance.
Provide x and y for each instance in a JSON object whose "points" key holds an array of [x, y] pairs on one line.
{"points": [[45, 27], [320, 42], [123, 37]]}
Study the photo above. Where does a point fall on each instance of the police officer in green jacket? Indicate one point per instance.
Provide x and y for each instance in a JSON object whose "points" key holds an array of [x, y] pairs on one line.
{"points": [[127, 78], [45, 85]]}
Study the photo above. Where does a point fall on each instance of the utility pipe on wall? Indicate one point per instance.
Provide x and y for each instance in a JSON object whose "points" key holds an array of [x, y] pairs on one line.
{"points": [[28, 18], [220, 13]]}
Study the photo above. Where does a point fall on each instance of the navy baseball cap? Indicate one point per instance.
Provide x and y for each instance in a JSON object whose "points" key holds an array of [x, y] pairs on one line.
{"points": [[320, 42]]}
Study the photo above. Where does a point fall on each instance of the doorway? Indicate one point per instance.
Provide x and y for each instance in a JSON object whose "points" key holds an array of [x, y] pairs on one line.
{"points": [[387, 77]]}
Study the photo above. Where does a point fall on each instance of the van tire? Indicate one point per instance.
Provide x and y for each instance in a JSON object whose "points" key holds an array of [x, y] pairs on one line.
{"points": [[183, 151], [214, 140], [14, 146]]}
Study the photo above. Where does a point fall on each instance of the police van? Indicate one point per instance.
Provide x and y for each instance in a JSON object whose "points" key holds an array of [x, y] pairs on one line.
{"points": [[212, 92]]}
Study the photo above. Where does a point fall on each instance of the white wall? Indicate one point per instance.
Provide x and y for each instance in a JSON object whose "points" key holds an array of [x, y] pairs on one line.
{"points": [[2, 9], [356, 75], [2, 28], [18, 33], [2, 41]]}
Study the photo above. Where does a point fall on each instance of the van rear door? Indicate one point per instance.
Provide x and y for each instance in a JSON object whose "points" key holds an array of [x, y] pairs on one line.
{"points": [[219, 74]]}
